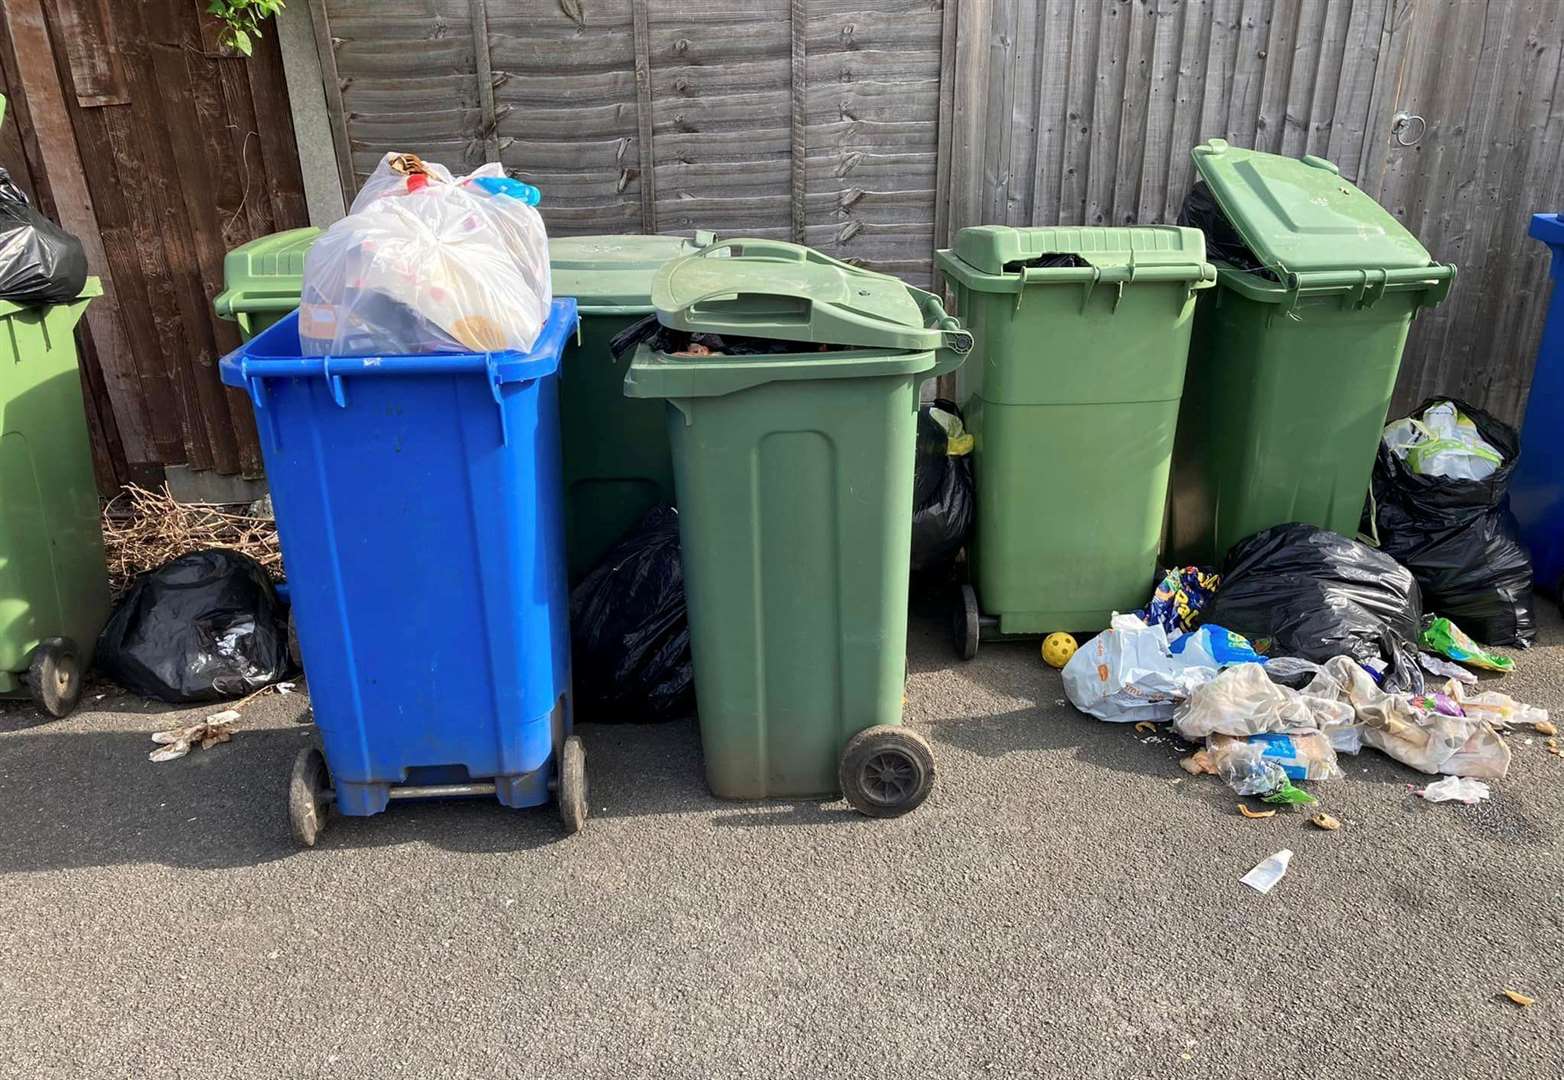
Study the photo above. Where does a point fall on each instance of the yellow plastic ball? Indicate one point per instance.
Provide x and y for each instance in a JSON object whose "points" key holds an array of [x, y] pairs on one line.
{"points": [[1057, 649]]}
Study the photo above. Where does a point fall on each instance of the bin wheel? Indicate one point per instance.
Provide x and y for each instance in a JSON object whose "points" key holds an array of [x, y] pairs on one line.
{"points": [[964, 618], [886, 771], [572, 789], [54, 677], [308, 791]]}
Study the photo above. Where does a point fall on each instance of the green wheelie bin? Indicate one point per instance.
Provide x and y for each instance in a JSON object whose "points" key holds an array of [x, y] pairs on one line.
{"points": [[1071, 396], [616, 459], [54, 585], [1295, 352], [793, 467], [262, 279]]}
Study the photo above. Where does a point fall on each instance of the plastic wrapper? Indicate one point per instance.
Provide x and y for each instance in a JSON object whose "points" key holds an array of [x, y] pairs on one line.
{"points": [[1128, 673], [428, 264], [1243, 701], [630, 633], [202, 627], [1457, 536], [1297, 590], [942, 502], [1179, 598], [40, 263], [1416, 730]]}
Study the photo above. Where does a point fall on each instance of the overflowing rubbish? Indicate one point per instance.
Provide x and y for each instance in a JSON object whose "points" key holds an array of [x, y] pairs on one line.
{"points": [[1131, 671], [1456, 789], [1179, 598], [40, 263], [206, 626], [1298, 590], [942, 500], [428, 263], [1263, 878], [177, 742], [1057, 649], [1447, 639], [1440, 507], [630, 633]]}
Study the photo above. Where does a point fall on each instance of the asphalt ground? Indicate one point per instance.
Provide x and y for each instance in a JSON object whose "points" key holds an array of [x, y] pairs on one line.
{"points": [[1067, 903]]}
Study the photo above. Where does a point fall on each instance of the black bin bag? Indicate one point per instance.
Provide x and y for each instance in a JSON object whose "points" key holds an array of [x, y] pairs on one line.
{"points": [[1458, 537], [942, 501], [1298, 590], [629, 631], [202, 627], [40, 263]]}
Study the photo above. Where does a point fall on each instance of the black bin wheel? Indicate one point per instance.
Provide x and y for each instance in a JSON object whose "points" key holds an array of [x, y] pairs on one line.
{"points": [[309, 791], [964, 617], [886, 770], [54, 678], [572, 788]]}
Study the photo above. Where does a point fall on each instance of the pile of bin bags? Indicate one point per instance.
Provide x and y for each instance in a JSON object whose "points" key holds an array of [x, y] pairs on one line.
{"points": [[1307, 647], [426, 262]]}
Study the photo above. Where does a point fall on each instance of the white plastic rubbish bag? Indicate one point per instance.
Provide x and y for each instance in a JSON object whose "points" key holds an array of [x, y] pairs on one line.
{"points": [[428, 263], [1443, 442], [1128, 673]]}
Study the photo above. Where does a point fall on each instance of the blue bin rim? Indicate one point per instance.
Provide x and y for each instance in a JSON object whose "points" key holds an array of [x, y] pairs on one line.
{"points": [[1548, 228], [263, 358]]}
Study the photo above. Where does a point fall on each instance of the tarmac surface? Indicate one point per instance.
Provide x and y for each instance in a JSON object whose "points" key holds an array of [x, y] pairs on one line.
{"points": [[1067, 903]]}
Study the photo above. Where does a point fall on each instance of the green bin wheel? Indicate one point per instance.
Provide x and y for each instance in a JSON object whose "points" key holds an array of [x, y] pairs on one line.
{"points": [[308, 796], [54, 677], [886, 771], [572, 788], [965, 632]]}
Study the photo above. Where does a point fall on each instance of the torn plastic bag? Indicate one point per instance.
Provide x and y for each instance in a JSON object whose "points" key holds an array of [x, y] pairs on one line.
{"points": [[1457, 536], [1417, 730], [1243, 701], [205, 626], [40, 263], [1223, 244], [448, 265], [1128, 673], [1298, 590], [942, 503], [630, 635]]}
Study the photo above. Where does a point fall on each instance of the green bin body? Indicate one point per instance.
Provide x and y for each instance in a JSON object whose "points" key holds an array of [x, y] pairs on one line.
{"points": [[1292, 368], [615, 449], [53, 579], [1072, 397], [794, 481]]}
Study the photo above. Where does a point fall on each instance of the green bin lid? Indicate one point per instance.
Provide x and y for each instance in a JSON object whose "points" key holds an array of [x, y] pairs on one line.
{"points": [[258, 274], [772, 289], [614, 271], [994, 258], [1298, 215]]}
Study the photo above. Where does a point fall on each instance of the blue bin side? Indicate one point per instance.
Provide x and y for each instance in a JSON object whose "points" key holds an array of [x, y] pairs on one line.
{"points": [[418, 502], [1537, 488]]}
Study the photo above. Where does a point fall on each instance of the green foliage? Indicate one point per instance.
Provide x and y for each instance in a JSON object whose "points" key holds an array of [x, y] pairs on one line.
{"points": [[242, 20]]}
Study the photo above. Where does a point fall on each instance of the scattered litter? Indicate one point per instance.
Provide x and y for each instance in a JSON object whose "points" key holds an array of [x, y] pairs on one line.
{"points": [[177, 742], [1444, 637], [1525, 1001], [1436, 665], [1325, 821], [1456, 789], [1271, 870], [1177, 601], [1255, 815]]}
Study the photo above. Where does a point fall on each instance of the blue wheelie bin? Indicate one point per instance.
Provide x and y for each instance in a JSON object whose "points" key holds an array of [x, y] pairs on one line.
{"points": [[1537, 488], [418, 504]]}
